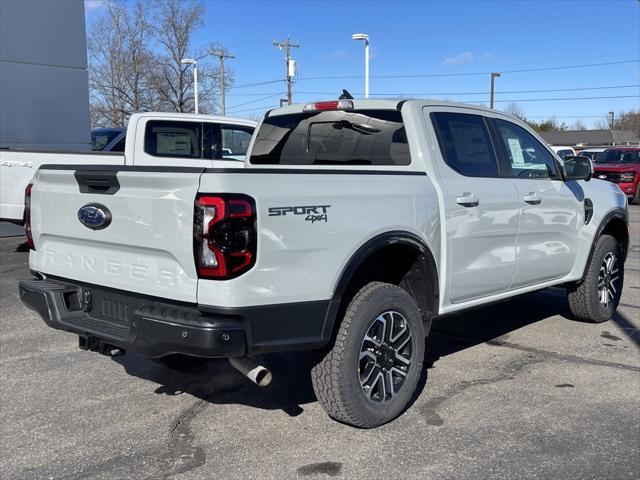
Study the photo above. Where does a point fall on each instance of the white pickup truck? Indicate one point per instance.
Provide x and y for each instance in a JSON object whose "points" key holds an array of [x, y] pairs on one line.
{"points": [[161, 139], [354, 224]]}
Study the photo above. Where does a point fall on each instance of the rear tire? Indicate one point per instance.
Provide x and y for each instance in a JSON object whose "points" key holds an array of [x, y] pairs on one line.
{"points": [[596, 298], [370, 374]]}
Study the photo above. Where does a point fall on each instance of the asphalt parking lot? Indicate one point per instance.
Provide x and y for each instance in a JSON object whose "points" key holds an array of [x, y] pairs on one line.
{"points": [[515, 390]]}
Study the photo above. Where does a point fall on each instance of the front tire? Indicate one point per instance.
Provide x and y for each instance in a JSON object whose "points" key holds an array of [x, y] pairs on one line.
{"points": [[596, 298], [370, 374]]}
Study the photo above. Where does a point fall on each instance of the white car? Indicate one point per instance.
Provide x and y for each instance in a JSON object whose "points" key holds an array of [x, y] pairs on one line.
{"points": [[354, 224], [564, 151], [161, 139]]}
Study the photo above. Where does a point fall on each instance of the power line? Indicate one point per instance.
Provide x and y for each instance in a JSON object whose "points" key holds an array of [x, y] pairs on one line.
{"points": [[558, 99], [256, 84], [257, 100], [254, 109], [428, 75], [567, 116], [482, 93]]}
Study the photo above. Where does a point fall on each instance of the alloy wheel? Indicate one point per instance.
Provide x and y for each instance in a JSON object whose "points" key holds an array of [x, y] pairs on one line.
{"points": [[385, 356]]}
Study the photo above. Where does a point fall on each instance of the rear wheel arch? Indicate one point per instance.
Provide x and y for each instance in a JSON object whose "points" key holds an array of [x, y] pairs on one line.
{"points": [[397, 257]]}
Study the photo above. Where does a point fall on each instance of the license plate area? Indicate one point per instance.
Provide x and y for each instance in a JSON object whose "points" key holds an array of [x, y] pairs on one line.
{"points": [[107, 306], [98, 311]]}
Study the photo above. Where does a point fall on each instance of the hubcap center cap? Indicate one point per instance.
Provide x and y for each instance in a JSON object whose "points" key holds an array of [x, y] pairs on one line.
{"points": [[385, 358]]}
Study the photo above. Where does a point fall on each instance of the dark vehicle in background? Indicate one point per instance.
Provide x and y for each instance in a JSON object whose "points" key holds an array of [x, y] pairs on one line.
{"points": [[591, 153], [620, 165], [108, 139]]}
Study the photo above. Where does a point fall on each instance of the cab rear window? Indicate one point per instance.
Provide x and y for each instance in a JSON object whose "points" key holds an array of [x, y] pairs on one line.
{"points": [[361, 137]]}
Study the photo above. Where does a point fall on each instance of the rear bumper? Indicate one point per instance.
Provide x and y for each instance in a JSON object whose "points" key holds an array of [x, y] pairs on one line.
{"points": [[157, 327]]}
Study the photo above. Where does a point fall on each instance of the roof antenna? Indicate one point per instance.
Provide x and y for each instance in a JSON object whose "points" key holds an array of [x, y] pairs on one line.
{"points": [[345, 95]]}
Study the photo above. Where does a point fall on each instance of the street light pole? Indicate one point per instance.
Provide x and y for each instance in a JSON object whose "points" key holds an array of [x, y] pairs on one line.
{"points": [[365, 37], [493, 77], [191, 61]]}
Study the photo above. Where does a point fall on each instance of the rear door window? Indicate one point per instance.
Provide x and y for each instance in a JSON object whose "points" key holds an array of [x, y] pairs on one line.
{"points": [[362, 137], [165, 138], [465, 144], [235, 141]]}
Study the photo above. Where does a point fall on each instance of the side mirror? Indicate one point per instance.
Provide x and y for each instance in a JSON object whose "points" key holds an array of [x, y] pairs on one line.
{"points": [[577, 168]]}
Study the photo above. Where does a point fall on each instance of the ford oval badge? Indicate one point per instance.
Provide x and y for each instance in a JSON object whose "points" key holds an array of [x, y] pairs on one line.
{"points": [[94, 216]]}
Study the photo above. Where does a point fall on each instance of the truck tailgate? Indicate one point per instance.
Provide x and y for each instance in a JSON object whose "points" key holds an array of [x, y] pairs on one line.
{"points": [[148, 246]]}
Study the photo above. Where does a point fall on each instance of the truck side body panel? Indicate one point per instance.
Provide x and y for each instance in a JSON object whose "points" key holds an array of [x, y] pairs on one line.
{"points": [[310, 225]]}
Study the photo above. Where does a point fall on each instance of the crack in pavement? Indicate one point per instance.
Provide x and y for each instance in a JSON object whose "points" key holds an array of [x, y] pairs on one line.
{"points": [[535, 355], [430, 409], [562, 356], [182, 454]]}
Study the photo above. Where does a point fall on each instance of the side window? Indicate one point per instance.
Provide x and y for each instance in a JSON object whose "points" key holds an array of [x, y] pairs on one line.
{"points": [[164, 138], [465, 144], [235, 141], [119, 147], [526, 156]]}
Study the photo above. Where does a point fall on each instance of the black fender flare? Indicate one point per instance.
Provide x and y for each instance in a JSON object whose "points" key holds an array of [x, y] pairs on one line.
{"points": [[395, 237], [615, 214]]}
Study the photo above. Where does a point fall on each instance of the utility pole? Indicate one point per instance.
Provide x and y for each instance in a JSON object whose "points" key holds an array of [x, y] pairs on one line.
{"points": [[286, 45], [493, 77], [221, 56]]}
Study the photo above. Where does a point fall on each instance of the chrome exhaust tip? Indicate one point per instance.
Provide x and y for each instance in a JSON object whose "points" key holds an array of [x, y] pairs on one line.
{"points": [[258, 374]]}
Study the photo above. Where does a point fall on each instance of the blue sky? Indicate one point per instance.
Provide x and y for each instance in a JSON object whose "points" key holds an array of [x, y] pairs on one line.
{"points": [[448, 38]]}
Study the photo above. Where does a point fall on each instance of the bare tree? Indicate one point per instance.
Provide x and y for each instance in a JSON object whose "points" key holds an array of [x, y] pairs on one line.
{"points": [[119, 61], [601, 124], [175, 23], [629, 121], [135, 52], [579, 125], [514, 110]]}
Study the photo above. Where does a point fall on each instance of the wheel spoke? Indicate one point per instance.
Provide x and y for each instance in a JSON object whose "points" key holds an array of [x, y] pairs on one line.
{"points": [[403, 328], [397, 371], [369, 369], [370, 385], [385, 356], [367, 354], [388, 381]]}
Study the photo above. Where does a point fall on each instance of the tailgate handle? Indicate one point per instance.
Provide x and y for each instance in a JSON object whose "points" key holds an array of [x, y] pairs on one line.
{"points": [[101, 182]]}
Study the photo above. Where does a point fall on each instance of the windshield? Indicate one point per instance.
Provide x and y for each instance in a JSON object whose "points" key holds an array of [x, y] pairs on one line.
{"points": [[617, 156], [102, 138], [365, 137]]}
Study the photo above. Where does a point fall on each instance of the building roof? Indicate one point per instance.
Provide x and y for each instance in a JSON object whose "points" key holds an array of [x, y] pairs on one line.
{"points": [[590, 137]]}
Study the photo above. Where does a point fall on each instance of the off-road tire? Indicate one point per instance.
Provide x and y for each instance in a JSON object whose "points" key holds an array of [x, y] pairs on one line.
{"points": [[336, 377], [583, 297]]}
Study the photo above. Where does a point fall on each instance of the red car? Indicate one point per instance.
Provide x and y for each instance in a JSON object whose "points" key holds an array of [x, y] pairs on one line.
{"points": [[620, 165]]}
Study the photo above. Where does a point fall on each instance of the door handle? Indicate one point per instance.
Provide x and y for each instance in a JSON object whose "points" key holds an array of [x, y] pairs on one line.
{"points": [[533, 198], [468, 200]]}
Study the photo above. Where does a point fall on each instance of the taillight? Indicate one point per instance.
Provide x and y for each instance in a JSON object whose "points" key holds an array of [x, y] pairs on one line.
{"points": [[224, 235], [26, 216], [330, 105]]}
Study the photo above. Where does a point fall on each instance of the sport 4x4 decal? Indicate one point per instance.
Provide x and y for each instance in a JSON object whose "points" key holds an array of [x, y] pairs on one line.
{"points": [[313, 213]]}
